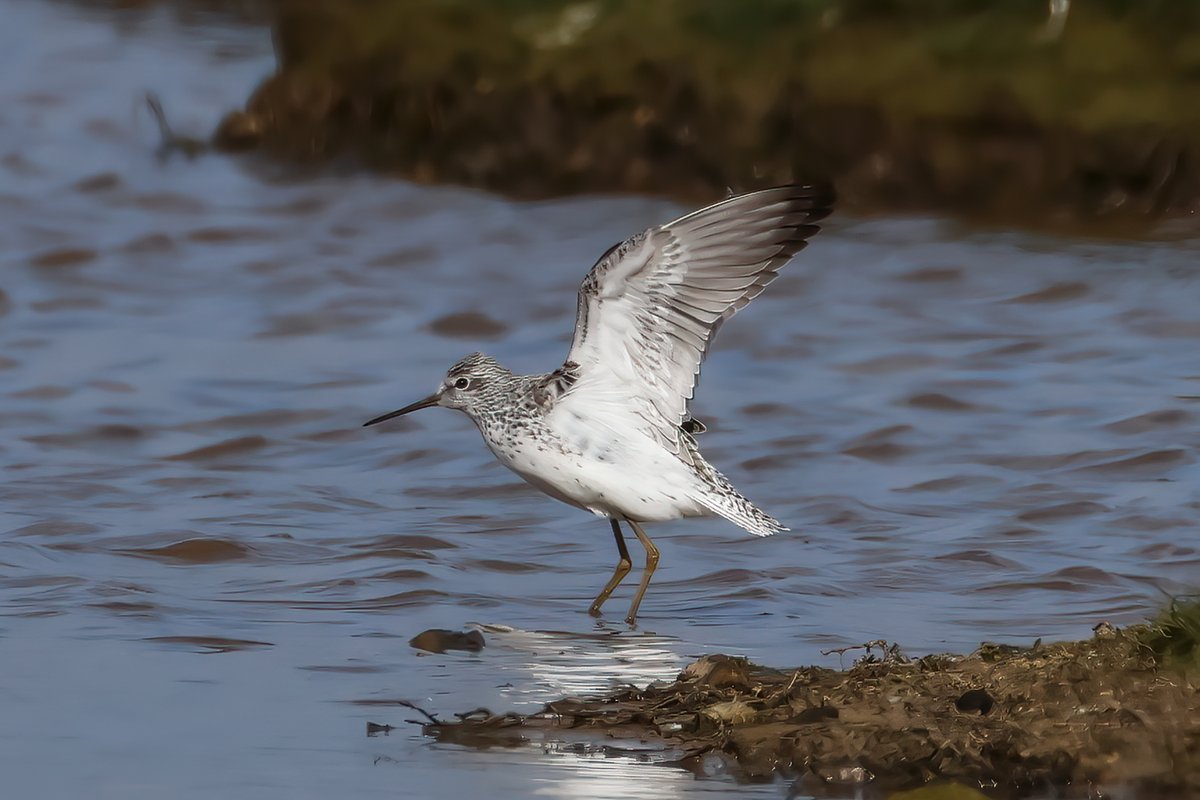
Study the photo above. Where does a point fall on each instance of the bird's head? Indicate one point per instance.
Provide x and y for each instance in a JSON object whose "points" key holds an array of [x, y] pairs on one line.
{"points": [[470, 386]]}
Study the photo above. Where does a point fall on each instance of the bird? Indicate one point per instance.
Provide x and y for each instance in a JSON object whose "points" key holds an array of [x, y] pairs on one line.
{"points": [[609, 431]]}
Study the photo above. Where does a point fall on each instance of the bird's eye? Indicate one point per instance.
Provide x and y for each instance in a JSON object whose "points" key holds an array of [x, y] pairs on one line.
{"points": [[462, 383]]}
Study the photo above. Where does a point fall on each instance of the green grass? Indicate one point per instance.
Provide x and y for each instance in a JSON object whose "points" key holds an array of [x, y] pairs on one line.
{"points": [[1174, 635], [1117, 62]]}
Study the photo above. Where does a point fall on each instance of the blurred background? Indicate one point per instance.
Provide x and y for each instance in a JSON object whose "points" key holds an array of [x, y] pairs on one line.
{"points": [[973, 398]]}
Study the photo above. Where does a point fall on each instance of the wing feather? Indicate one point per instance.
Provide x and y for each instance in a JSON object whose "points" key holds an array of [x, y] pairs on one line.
{"points": [[649, 308]]}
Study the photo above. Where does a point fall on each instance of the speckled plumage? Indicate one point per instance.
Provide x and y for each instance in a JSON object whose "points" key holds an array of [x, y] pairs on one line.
{"points": [[609, 431]]}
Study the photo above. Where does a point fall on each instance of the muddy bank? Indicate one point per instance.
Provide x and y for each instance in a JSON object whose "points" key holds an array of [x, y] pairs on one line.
{"points": [[997, 112], [1119, 710]]}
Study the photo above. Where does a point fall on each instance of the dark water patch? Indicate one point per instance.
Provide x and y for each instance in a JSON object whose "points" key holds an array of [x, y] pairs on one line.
{"points": [[401, 575], [402, 541], [393, 553], [334, 435], [1040, 463], [194, 551], [56, 528], [952, 483], [150, 243], [345, 669], [190, 482], [766, 410], [229, 448], [299, 207], [744, 593], [728, 577], [1151, 421], [316, 322], [127, 608], [1153, 524], [503, 565], [207, 645], [276, 417], [1086, 574], [1056, 293], [936, 401], [1166, 549], [44, 392], [879, 451], [47, 581], [1061, 511], [67, 304], [503, 490], [1045, 584], [1079, 356], [308, 506], [228, 235], [1161, 328], [1152, 463], [774, 462], [895, 362], [169, 203], [21, 166], [64, 257], [404, 257], [100, 182], [468, 325], [113, 433], [976, 556], [335, 495], [1014, 349], [414, 598], [932, 275]]}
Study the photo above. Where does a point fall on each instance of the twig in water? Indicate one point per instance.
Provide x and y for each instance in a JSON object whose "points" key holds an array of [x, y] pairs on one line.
{"points": [[169, 140], [432, 719]]}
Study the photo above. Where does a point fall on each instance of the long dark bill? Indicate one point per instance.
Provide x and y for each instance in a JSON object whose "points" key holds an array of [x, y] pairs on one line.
{"points": [[432, 400]]}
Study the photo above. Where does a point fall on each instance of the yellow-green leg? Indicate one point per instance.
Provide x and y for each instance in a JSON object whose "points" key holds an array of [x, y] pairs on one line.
{"points": [[651, 565], [623, 567]]}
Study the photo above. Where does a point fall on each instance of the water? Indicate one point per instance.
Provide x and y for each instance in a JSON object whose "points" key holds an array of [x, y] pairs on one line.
{"points": [[209, 573]]}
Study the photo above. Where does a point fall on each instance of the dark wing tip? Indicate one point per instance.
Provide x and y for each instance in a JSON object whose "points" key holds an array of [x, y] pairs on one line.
{"points": [[814, 200], [807, 204]]}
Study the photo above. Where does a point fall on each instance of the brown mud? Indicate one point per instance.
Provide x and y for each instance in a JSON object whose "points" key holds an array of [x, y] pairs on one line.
{"points": [[1118, 710], [986, 111]]}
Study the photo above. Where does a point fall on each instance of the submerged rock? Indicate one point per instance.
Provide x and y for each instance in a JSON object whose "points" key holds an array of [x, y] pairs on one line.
{"points": [[439, 640]]}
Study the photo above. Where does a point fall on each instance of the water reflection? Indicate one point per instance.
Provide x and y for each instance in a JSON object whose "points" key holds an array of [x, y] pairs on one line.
{"points": [[560, 664]]}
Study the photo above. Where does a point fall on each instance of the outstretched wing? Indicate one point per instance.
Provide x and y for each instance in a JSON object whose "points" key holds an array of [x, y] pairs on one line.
{"points": [[650, 306]]}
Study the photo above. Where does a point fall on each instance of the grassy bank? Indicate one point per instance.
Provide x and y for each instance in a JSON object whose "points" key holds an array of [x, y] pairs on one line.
{"points": [[980, 108]]}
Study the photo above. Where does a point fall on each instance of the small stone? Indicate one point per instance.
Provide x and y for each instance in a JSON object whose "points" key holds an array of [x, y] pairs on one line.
{"points": [[719, 671], [439, 640]]}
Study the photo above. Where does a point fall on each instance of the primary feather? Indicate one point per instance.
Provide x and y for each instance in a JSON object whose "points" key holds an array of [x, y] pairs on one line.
{"points": [[649, 308]]}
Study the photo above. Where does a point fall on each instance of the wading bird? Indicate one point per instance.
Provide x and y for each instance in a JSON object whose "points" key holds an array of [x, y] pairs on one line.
{"points": [[609, 431]]}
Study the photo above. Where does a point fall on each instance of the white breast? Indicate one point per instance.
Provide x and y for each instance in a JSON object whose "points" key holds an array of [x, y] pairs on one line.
{"points": [[621, 476]]}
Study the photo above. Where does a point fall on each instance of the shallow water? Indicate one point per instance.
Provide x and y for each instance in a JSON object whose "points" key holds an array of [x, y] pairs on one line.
{"points": [[209, 572]]}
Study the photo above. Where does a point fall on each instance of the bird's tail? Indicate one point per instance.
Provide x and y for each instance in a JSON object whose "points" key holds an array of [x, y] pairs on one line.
{"points": [[727, 502]]}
